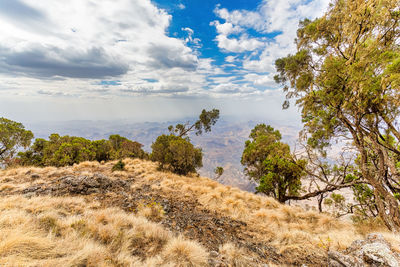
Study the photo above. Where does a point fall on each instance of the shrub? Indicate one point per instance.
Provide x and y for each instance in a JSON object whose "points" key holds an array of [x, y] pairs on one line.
{"points": [[177, 154], [153, 211], [119, 166], [13, 136], [68, 150]]}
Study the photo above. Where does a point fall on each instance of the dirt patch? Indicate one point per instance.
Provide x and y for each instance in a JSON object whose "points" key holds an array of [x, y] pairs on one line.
{"points": [[77, 185], [183, 215]]}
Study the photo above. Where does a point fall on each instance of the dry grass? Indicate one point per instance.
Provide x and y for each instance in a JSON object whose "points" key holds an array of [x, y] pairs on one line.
{"points": [[49, 231], [150, 210], [66, 231], [292, 230], [235, 256], [185, 253]]}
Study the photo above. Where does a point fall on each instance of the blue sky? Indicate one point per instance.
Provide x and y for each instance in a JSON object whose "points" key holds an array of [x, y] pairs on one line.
{"points": [[145, 60]]}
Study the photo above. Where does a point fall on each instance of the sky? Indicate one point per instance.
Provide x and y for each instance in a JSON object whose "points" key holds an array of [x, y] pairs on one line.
{"points": [[146, 60]]}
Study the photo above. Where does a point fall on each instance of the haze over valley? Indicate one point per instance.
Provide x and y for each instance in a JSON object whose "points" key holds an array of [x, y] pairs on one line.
{"points": [[223, 146]]}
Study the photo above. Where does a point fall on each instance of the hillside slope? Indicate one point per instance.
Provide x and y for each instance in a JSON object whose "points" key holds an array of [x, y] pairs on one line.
{"points": [[86, 215]]}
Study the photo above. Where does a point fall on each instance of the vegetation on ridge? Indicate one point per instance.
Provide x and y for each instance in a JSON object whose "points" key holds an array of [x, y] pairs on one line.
{"points": [[12, 136], [116, 227], [176, 152], [269, 162], [345, 77], [68, 150]]}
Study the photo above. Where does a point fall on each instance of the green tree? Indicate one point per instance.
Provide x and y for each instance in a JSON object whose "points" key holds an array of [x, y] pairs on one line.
{"points": [[345, 76], [73, 150], [176, 153], [68, 150], [204, 123], [119, 166], [12, 137], [125, 148], [103, 150], [219, 171], [269, 162]]}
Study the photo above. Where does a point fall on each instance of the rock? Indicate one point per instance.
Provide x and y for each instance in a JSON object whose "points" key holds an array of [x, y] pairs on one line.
{"points": [[214, 263], [373, 251], [379, 254], [337, 259], [35, 176], [214, 254], [83, 185], [29, 194]]}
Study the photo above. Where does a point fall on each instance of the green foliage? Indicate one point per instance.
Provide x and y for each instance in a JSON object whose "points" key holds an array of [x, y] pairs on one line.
{"points": [[204, 123], [176, 153], [269, 162], [219, 171], [152, 210], [68, 150], [337, 201], [124, 148], [119, 166], [345, 77], [12, 136], [344, 66]]}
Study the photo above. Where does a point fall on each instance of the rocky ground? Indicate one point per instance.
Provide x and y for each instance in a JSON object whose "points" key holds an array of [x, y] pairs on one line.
{"points": [[185, 213], [180, 215]]}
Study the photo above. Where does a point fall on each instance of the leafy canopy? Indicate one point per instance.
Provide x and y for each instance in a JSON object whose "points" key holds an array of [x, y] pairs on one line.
{"points": [[345, 77], [269, 162], [219, 171], [176, 153], [67, 150], [204, 123], [12, 136]]}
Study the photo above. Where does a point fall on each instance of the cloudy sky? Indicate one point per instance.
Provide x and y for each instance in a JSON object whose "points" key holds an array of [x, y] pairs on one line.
{"points": [[145, 60]]}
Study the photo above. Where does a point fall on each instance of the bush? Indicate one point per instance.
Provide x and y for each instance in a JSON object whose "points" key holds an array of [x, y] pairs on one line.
{"points": [[68, 150], [119, 166], [13, 137], [177, 154]]}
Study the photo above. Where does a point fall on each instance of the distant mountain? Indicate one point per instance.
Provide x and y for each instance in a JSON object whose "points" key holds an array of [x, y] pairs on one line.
{"points": [[222, 147]]}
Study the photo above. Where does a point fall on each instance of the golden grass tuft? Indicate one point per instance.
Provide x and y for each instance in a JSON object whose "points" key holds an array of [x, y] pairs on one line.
{"points": [[234, 256], [66, 231], [152, 210], [72, 231], [185, 253]]}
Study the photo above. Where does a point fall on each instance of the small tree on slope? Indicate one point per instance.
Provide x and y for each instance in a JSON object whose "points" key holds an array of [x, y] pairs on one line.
{"points": [[12, 136], [175, 151]]}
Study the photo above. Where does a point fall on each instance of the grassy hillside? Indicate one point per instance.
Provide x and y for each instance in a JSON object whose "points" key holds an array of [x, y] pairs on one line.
{"points": [[86, 215]]}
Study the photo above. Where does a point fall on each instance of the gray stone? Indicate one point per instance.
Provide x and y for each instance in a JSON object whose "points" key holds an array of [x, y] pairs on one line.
{"points": [[379, 254], [35, 176], [373, 251], [337, 259], [214, 254]]}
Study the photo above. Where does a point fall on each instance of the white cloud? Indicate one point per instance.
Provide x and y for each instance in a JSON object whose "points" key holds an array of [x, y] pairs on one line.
{"points": [[230, 59], [181, 6], [89, 40], [277, 17], [244, 18], [237, 45], [190, 40], [261, 80], [121, 49]]}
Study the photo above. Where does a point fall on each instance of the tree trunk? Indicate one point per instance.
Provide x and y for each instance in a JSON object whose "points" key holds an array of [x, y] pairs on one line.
{"points": [[387, 204], [389, 215], [320, 199]]}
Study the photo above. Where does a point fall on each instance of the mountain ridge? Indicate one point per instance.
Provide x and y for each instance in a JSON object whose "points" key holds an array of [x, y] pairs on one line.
{"points": [[144, 217]]}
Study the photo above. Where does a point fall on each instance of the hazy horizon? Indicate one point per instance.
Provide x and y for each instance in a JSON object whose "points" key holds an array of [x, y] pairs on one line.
{"points": [[146, 60]]}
